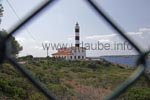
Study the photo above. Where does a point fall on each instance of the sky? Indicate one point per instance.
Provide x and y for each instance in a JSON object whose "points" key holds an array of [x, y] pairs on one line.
{"points": [[57, 22]]}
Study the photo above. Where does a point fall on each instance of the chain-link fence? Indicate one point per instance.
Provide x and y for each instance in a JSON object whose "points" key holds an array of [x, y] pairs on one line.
{"points": [[141, 62]]}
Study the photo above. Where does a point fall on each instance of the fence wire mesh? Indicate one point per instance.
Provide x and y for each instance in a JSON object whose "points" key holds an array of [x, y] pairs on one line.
{"points": [[141, 62]]}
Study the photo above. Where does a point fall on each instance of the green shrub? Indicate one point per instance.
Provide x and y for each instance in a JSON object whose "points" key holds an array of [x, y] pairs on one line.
{"points": [[137, 93]]}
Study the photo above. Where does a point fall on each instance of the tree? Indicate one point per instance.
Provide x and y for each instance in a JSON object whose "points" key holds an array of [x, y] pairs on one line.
{"points": [[14, 45], [1, 12]]}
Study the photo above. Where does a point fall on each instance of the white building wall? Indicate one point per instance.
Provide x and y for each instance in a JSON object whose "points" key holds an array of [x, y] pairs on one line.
{"points": [[78, 54]]}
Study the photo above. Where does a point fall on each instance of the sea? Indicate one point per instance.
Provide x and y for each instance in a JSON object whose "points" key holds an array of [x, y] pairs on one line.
{"points": [[129, 60]]}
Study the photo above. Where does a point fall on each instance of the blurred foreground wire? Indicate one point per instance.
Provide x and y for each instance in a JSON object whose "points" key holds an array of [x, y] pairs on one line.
{"points": [[141, 63]]}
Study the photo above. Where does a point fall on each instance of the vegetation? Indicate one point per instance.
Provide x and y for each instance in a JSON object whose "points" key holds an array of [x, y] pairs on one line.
{"points": [[69, 80], [14, 46]]}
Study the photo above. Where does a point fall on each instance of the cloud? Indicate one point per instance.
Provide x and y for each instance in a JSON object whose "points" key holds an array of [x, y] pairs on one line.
{"points": [[117, 37], [140, 37], [21, 40], [144, 29], [101, 37], [134, 33], [46, 41], [38, 47], [25, 40], [70, 39], [104, 40]]}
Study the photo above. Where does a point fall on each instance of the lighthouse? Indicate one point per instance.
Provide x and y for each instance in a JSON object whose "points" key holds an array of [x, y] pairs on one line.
{"points": [[75, 52], [77, 35]]}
